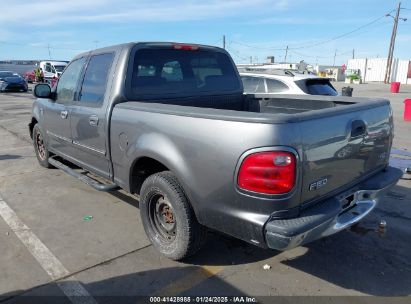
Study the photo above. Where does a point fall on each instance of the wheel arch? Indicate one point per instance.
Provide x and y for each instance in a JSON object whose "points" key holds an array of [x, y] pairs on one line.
{"points": [[32, 123], [141, 169], [154, 153]]}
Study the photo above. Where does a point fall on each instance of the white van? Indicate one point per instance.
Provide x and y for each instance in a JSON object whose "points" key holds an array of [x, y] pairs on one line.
{"points": [[52, 69]]}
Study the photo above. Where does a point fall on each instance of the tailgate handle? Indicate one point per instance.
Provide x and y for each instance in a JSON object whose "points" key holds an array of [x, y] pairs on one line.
{"points": [[358, 128]]}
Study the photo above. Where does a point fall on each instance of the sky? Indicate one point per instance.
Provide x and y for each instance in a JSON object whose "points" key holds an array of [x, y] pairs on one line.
{"points": [[317, 31]]}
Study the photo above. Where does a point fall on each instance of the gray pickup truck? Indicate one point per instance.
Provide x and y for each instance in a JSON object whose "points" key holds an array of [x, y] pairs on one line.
{"points": [[170, 122]]}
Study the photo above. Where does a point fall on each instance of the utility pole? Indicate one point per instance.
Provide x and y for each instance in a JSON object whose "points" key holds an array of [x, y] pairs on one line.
{"points": [[335, 55], [96, 43], [48, 46], [285, 57], [251, 59], [353, 50], [223, 41], [392, 43]]}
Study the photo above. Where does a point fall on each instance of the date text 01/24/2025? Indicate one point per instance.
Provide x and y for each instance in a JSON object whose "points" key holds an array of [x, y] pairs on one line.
{"points": [[203, 299]]}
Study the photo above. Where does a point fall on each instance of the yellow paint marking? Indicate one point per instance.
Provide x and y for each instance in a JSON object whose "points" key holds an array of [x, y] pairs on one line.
{"points": [[192, 279]]}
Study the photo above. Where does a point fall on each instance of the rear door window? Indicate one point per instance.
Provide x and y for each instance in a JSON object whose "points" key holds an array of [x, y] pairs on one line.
{"points": [[275, 86], [171, 73], [253, 84], [95, 79]]}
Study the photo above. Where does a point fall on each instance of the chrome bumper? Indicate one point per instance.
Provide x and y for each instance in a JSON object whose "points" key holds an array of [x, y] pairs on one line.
{"points": [[330, 216]]}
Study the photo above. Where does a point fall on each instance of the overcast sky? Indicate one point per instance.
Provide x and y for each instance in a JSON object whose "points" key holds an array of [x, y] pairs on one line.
{"points": [[256, 28]]}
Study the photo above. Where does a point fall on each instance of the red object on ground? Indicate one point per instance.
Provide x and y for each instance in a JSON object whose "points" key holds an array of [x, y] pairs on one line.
{"points": [[407, 109], [30, 76], [395, 87]]}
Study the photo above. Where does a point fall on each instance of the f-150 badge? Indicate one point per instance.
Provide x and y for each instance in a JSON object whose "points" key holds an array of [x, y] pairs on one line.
{"points": [[318, 184]]}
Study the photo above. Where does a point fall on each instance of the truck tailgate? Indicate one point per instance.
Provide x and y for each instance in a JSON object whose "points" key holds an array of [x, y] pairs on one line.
{"points": [[344, 147]]}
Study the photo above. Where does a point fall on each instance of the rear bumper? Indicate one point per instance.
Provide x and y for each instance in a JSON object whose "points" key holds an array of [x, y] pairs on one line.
{"points": [[329, 216]]}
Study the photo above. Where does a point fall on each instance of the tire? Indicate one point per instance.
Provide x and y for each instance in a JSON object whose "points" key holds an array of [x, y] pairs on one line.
{"points": [[40, 147], [168, 218]]}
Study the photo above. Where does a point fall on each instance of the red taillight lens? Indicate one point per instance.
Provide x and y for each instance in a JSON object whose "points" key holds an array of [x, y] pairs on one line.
{"points": [[268, 172], [185, 47]]}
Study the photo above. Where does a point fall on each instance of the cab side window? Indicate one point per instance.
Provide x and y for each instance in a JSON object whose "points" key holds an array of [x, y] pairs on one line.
{"points": [[67, 85], [95, 80], [253, 84], [275, 86]]}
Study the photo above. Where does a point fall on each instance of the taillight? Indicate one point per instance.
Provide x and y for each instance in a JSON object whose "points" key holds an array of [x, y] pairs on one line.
{"points": [[268, 172], [185, 47]]}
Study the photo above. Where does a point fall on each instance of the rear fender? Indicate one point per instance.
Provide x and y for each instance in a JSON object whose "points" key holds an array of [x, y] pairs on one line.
{"points": [[163, 150]]}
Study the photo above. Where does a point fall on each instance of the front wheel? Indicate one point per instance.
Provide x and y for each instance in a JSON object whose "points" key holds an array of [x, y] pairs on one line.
{"points": [[40, 147], [168, 218]]}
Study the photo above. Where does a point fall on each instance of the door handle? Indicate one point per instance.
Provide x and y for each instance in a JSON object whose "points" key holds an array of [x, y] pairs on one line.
{"points": [[63, 114], [93, 120]]}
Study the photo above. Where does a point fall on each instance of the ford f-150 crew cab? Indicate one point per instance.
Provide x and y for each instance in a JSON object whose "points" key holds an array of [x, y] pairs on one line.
{"points": [[170, 123]]}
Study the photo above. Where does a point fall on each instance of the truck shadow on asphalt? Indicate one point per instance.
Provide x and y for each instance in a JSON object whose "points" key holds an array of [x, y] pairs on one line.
{"points": [[131, 288], [364, 258]]}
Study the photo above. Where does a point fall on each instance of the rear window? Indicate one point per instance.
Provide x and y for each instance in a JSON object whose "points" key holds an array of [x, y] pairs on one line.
{"points": [[160, 73], [317, 87]]}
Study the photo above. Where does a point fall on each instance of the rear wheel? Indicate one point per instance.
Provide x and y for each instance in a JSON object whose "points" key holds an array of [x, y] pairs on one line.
{"points": [[40, 148], [168, 218]]}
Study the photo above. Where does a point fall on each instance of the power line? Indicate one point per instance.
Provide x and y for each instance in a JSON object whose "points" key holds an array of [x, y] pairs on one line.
{"points": [[316, 43], [343, 35], [257, 47], [320, 57], [236, 53]]}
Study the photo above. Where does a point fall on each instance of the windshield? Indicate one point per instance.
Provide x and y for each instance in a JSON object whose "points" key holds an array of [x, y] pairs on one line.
{"points": [[59, 68], [175, 73], [7, 74]]}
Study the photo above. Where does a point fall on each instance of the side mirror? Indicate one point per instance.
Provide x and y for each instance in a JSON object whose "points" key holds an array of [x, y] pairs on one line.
{"points": [[42, 90]]}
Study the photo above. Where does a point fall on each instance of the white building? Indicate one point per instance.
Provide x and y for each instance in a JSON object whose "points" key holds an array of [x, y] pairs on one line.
{"points": [[373, 69]]}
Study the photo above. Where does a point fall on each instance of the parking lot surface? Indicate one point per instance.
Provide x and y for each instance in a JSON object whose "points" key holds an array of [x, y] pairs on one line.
{"points": [[58, 236]]}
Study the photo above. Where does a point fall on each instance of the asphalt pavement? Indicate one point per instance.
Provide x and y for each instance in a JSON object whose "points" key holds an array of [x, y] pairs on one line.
{"points": [[59, 237]]}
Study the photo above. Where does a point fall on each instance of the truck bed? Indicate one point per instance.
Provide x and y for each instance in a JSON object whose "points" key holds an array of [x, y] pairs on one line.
{"points": [[288, 108]]}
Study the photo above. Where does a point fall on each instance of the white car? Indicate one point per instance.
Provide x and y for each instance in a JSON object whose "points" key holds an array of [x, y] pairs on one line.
{"points": [[288, 83]]}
